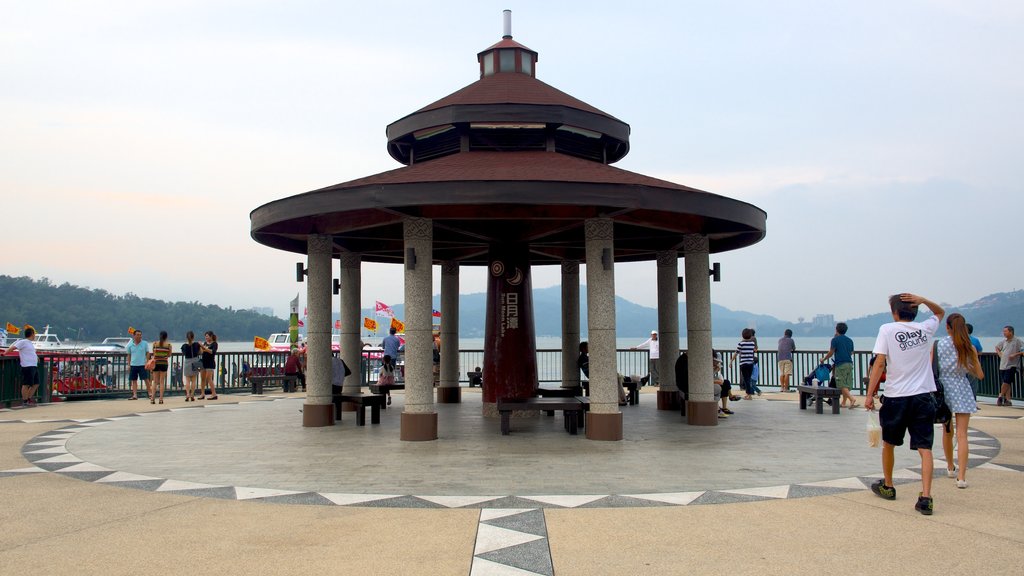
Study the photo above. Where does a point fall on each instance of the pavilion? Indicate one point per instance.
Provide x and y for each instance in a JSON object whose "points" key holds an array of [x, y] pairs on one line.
{"points": [[509, 173]]}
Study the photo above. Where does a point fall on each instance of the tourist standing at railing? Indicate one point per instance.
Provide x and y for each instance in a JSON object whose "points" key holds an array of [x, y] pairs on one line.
{"points": [[192, 365], [29, 361], [975, 382], [842, 374], [955, 358], [1010, 351], [161, 355], [652, 361], [903, 348], [746, 351], [138, 355], [208, 351], [786, 348]]}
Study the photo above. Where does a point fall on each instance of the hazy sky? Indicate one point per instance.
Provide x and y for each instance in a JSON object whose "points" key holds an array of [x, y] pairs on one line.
{"points": [[883, 139]]}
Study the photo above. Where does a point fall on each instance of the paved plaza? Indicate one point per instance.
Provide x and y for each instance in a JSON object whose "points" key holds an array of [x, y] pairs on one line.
{"points": [[238, 486]]}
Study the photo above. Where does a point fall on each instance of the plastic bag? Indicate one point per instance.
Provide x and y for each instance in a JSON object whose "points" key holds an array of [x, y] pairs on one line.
{"points": [[874, 430]]}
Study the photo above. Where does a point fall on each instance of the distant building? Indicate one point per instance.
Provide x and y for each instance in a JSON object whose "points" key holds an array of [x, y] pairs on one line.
{"points": [[266, 310], [823, 321]]}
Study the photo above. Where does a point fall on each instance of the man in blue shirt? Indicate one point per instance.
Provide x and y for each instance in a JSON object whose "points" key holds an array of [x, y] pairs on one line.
{"points": [[391, 345], [138, 354], [842, 348]]}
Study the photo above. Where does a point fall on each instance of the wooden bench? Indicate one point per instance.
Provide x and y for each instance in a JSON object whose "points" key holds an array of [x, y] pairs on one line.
{"points": [[257, 382], [385, 389], [571, 392], [374, 401], [572, 407], [632, 390], [818, 393]]}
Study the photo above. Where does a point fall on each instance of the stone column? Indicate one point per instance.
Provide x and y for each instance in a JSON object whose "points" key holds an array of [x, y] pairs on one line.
{"points": [[668, 328], [449, 392], [701, 405], [351, 322], [318, 409], [419, 419], [570, 323], [604, 420]]}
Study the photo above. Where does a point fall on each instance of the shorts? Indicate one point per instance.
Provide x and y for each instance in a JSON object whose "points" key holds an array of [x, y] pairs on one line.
{"points": [[726, 389], [160, 367], [785, 367], [914, 413], [138, 373], [842, 375], [1008, 376], [29, 375]]}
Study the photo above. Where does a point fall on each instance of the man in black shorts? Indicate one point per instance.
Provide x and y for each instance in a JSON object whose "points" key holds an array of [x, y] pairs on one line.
{"points": [[1010, 351], [903, 350]]}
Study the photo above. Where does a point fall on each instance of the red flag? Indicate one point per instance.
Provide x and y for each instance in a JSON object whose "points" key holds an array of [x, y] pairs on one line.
{"points": [[383, 309]]}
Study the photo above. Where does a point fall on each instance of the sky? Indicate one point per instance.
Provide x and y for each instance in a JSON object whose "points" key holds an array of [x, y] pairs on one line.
{"points": [[882, 138]]}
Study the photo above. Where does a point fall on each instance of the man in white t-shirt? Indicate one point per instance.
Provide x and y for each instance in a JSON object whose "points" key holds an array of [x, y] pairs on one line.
{"points": [[904, 350], [29, 361]]}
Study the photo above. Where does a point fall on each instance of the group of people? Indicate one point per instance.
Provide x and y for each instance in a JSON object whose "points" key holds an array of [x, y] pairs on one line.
{"points": [[149, 363]]}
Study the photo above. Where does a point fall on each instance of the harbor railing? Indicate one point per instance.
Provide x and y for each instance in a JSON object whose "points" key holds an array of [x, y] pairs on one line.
{"points": [[85, 376]]}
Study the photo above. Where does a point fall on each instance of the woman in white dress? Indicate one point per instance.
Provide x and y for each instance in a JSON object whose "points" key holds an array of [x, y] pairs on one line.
{"points": [[957, 358]]}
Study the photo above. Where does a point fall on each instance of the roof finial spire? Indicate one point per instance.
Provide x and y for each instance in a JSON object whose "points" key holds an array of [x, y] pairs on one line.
{"points": [[508, 23]]}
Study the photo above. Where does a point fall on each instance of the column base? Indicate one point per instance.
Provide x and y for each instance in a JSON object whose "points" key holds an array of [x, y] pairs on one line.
{"points": [[668, 400], [701, 413], [317, 415], [449, 395], [419, 426], [604, 426]]}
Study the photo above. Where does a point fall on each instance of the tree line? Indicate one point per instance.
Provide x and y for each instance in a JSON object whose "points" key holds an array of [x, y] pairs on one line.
{"points": [[89, 315]]}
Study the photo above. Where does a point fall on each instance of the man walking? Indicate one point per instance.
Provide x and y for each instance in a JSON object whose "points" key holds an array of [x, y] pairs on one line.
{"points": [[786, 348], [1010, 351], [138, 354], [842, 348], [391, 344], [903, 349], [652, 362]]}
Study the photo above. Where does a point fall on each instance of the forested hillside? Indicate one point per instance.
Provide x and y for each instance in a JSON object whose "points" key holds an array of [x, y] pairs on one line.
{"points": [[91, 315]]}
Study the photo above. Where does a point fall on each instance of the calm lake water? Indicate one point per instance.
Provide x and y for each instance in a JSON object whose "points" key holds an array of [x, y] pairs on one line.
{"points": [[861, 343]]}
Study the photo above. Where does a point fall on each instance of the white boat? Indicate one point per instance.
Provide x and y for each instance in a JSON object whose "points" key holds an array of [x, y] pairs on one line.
{"points": [[47, 342], [112, 345]]}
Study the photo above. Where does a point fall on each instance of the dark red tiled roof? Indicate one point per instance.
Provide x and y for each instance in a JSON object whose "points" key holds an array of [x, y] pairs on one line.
{"points": [[507, 43], [510, 166], [511, 88]]}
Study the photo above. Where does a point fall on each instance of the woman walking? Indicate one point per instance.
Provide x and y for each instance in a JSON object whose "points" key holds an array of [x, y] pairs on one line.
{"points": [[161, 355], [209, 351], [190, 365], [956, 357], [387, 375]]}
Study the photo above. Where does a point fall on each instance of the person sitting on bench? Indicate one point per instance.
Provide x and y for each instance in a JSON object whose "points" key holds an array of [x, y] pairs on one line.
{"points": [[339, 371]]}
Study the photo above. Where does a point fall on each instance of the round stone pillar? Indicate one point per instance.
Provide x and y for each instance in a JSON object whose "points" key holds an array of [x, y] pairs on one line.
{"points": [[419, 418], [351, 322], [701, 406], [668, 328], [318, 409], [570, 323], [604, 420], [448, 391]]}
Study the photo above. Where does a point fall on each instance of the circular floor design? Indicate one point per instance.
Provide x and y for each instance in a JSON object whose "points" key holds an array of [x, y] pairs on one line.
{"points": [[258, 450]]}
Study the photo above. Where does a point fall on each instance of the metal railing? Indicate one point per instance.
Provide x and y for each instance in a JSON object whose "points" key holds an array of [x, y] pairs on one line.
{"points": [[76, 376]]}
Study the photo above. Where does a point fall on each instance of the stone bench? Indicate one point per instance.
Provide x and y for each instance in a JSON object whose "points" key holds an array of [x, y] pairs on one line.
{"points": [[572, 407], [257, 382]]}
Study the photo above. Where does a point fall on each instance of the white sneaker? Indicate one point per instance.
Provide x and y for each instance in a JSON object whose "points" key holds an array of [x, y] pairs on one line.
{"points": [[951, 472], [961, 483]]}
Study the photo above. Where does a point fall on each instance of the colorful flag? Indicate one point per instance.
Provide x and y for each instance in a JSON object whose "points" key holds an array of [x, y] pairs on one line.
{"points": [[337, 324], [370, 324], [383, 309], [260, 343], [436, 314], [12, 329], [398, 324], [301, 324], [131, 331]]}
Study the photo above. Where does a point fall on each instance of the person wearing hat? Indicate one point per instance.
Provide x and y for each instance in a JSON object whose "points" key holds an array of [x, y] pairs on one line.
{"points": [[652, 345]]}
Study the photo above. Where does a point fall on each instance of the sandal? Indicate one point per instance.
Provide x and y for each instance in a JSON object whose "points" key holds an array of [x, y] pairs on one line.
{"points": [[161, 400], [151, 401], [211, 398], [854, 405], [134, 397]]}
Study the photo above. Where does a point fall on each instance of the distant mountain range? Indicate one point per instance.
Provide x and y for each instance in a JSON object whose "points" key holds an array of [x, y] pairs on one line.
{"points": [[988, 315]]}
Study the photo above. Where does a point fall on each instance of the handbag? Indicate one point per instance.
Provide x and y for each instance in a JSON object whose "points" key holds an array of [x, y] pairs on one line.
{"points": [[943, 414], [150, 364]]}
